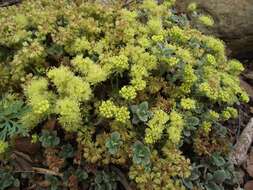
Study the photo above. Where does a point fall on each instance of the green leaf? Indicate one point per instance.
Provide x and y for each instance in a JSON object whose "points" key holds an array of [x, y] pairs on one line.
{"points": [[141, 154], [81, 174], [113, 143], [209, 176], [192, 121], [140, 112], [143, 106], [16, 183], [134, 108], [188, 184], [195, 175], [49, 139], [11, 112], [220, 176], [6, 180], [187, 133], [217, 160], [67, 151], [212, 186]]}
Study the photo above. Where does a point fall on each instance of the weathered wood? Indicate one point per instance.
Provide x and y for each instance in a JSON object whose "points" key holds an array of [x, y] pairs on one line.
{"points": [[239, 154]]}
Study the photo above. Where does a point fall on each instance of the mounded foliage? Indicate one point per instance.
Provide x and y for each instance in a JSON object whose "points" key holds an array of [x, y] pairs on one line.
{"points": [[135, 84]]}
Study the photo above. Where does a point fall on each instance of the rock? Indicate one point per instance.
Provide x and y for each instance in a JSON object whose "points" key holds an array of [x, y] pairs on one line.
{"points": [[247, 87], [249, 75], [249, 164], [249, 185], [240, 176], [233, 22]]}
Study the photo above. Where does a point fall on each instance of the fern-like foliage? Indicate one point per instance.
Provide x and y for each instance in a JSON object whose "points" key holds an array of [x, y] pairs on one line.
{"points": [[10, 113]]}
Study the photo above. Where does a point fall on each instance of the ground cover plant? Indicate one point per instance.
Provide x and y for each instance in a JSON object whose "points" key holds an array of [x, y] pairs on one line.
{"points": [[114, 95]]}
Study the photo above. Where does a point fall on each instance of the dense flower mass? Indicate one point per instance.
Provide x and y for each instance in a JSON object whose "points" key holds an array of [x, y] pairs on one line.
{"points": [[90, 65]]}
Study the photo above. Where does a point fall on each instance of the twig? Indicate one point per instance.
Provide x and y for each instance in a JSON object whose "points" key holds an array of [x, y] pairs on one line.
{"points": [[24, 156], [46, 171], [9, 2], [122, 178], [41, 171], [239, 154], [127, 3]]}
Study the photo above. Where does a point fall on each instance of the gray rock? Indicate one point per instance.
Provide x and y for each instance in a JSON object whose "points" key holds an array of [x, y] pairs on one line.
{"points": [[233, 22]]}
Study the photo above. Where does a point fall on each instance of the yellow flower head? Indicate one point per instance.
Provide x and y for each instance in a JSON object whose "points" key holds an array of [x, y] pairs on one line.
{"points": [[206, 20], [3, 146], [128, 92], [107, 109], [188, 104], [122, 114]]}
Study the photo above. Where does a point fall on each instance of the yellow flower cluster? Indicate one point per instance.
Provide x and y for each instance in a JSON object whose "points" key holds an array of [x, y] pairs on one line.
{"points": [[156, 126], [215, 45], [118, 63], [244, 97], [206, 89], [235, 67], [70, 115], [122, 114], [154, 25], [40, 100], [32, 55], [189, 78], [177, 34], [188, 104], [144, 42], [172, 61], [138, 84], [138, 71], [162, 172], [108, 109], [229, 112], [175, 127], [34, 138], [92, 72], [192, 7], [42, 107], [207, 127], [210, 59], [128, 92], [71, 91], [213, 115], [157, 38], [206, 20], [81, 64], [80, 45], [69, 85], [189, 75], [3, 146], [185, 55]]}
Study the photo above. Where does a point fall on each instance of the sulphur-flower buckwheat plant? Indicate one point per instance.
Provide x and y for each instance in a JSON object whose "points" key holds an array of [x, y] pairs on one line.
{"points": [[109, 86]]}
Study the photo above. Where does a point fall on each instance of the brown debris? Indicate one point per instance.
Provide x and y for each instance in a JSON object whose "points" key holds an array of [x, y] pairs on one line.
{"points": [[249, 185], [73, 182], [25, 145], [54, 162]]}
